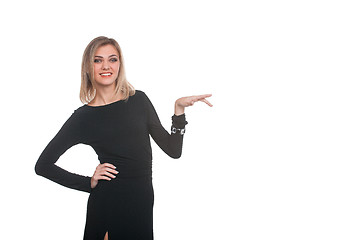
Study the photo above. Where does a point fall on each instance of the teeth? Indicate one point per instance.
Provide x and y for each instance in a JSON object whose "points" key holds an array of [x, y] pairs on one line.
{"points": [[105, 74]]}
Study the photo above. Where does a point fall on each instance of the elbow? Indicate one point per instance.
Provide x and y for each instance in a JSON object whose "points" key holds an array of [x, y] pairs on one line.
{"points": [[39, 169], [172, 150], [175, 155]]}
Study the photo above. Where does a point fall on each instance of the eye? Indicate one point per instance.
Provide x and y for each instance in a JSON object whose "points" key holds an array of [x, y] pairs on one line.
{"points": [[113, 60], [97, 60]]}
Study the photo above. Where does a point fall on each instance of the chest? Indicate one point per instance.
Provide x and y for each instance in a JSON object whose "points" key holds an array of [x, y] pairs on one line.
{"points": [[122, 125]]}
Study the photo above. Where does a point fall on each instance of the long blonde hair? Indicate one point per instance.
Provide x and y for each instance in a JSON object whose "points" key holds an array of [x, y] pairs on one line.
{"points": [[87, 90]]}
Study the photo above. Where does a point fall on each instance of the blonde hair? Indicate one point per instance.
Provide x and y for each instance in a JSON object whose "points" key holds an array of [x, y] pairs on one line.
{"points": [[87, 89]]}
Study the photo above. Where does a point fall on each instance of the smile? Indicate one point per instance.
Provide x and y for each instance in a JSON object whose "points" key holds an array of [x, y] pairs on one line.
{"points": [[105, 74]]}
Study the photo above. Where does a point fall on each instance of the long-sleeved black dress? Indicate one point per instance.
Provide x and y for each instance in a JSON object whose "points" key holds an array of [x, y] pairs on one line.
{"points": [[119, 133]]}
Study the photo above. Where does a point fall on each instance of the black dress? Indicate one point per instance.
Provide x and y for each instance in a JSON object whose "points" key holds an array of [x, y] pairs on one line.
{"points": [[119, 133]]}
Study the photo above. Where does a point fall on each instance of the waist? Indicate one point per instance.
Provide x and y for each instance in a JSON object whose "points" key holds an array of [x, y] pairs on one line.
{"points": [[128, 168], [136, 173], [122, 186]]}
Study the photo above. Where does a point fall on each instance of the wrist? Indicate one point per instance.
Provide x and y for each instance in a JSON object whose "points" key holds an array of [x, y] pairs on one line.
{"points": [[93, 182], [179, 110], [178, 124]]}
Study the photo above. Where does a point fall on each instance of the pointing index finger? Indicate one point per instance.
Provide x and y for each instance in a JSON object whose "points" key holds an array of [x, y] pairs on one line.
{"points": [[207, 102]]}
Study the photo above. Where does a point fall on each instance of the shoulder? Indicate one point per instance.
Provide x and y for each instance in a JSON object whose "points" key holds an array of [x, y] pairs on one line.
{"points": [[80, 114], [142, 99], [79, 111], [141, 95]]}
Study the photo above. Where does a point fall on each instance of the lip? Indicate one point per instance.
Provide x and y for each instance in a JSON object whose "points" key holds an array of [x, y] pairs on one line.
{"points": [[106, 73]]}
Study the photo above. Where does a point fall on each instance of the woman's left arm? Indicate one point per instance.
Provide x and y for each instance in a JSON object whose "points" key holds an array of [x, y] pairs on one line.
{"points": [[171, 143]]}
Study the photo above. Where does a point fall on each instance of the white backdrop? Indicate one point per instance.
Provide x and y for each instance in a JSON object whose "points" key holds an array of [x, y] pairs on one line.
{"points": [[277, 157]]}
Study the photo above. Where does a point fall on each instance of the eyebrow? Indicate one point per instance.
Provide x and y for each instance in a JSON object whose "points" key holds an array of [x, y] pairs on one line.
{"points": [[114, 55]]}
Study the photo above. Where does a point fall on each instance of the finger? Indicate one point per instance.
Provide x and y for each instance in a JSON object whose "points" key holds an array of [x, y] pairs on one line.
{"points": [[203, 96], [103, 173], [109, 165], [207, 102], [104, 177], [109, 175], [200, 97], [99, 177], [111, 170]]}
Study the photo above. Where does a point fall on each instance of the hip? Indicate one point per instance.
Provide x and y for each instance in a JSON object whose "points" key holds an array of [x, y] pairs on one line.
{"points": [[124, 185]]}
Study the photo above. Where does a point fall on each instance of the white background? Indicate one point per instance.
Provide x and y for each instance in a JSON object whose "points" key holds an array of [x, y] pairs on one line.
{"points": [[277, 157]]}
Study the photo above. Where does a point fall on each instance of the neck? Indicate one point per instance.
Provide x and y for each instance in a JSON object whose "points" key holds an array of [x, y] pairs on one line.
{"points": [[105, 95]]}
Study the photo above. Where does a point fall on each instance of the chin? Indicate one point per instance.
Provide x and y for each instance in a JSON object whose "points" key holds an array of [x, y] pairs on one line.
{"points": [[105, 83]]}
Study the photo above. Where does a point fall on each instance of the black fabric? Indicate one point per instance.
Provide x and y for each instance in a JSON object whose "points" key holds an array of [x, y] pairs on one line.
{"points": [[119, 133]]}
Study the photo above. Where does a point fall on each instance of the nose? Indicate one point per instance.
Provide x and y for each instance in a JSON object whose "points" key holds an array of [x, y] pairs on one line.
{"points": [[105, 65]]}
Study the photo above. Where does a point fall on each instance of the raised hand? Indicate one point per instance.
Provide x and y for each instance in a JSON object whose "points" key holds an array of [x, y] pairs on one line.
{"points": [[103, 171], [184, 102]]}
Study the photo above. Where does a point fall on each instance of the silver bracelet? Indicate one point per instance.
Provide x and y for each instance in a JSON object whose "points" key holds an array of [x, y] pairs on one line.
{"points": [[181, 130]]}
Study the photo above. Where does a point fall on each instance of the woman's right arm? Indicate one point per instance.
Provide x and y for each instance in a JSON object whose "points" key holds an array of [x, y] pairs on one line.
{"points": [[69, 135]]}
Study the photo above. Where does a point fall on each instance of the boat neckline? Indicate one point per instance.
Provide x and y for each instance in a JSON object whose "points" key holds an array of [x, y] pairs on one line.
{"points": [[105, 105], [109, 104]]}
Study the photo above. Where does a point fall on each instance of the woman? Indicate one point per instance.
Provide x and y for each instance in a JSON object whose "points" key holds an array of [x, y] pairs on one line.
{"points": [[116, 122]]}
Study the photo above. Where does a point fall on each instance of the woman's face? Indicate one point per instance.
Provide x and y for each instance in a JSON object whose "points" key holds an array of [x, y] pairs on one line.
{"points": [[106, 65]]}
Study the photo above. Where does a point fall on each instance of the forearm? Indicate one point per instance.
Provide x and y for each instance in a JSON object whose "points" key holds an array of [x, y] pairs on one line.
{"points": [[63, 177], [171, 143]]}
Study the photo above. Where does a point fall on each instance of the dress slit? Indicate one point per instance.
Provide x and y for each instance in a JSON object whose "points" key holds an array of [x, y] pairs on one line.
{"points": [[106, 237]]}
